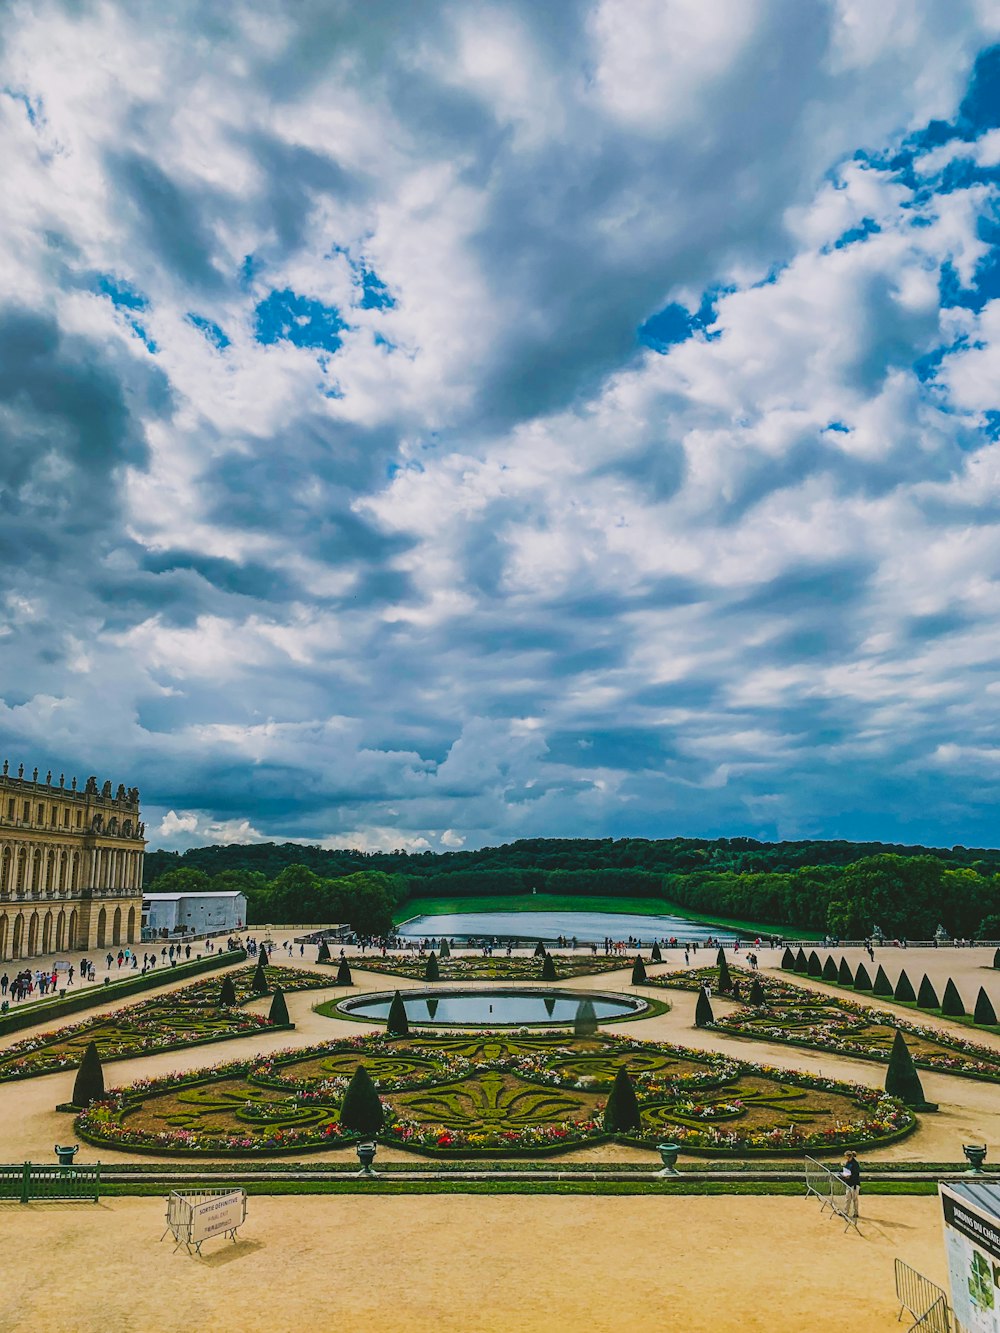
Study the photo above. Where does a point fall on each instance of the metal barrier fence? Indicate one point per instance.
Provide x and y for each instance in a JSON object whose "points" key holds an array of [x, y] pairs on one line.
{"points": [[29, 1181], [924, 1301], [832, 1191], [195, 1215]]}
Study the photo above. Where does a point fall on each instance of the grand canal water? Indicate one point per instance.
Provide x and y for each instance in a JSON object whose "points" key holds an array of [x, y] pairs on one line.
{"points": [[586, 926]]}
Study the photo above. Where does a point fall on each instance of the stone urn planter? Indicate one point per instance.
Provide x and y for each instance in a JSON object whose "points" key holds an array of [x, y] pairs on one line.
{"points": [[668, 1156], [366, 1155], [976, 1155]]}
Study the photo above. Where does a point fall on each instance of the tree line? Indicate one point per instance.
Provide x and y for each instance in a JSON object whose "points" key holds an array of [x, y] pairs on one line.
{"points": [[842, 888]]}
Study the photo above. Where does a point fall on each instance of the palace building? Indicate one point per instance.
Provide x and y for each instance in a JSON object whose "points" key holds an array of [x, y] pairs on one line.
{"points": [[70, 865]]}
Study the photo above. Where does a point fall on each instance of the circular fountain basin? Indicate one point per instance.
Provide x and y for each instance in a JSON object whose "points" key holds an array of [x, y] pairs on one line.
{"points": [[493, 1007]]}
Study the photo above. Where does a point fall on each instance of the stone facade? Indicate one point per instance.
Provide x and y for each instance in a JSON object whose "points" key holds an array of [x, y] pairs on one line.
{"points": [[70, 865]]}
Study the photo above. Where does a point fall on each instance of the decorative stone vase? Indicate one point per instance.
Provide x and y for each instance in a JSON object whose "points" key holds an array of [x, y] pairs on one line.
{"points": [[976, 1155], [668, 1156], [65, 1155], [366, 1155]]}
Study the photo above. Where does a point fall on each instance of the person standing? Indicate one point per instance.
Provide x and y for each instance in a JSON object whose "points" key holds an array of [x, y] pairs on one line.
{"points": [[851, 1174]]}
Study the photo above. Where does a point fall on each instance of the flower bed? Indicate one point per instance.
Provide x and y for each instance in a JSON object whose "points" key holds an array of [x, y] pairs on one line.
{"points": [[490, 1094], [795, 1016], [471, 967], [191, 1016]]}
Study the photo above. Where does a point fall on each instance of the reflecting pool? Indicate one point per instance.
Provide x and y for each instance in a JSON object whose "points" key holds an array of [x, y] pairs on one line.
{"points": [[495, 1007]]}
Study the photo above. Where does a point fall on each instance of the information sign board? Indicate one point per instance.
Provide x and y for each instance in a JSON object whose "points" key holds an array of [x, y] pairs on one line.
{"points": [[225, 1212], [972, 1245]]}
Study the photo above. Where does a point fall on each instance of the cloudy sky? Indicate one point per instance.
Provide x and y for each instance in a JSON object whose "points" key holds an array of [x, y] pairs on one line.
{"points": [[427, 424]]}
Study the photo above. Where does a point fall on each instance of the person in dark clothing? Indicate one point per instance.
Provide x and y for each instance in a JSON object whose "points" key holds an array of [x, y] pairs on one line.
{"points": [[851, 1175]]}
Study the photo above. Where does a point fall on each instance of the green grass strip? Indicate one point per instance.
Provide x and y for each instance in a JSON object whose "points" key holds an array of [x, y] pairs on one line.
{"points": [[679, 1185]]}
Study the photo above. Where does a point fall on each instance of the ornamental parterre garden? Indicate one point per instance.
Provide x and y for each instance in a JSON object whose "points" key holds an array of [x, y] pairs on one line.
{"points": [[189, 1016], [795, 1016], [492, 1094], [480, 968]]}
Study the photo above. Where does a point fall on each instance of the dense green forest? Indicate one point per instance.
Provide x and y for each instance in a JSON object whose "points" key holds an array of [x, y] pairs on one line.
{"points": [[841, 887]]}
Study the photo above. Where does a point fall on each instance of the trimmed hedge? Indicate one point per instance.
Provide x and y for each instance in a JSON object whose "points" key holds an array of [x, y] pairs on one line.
{"points": [[397, 1024], [901, 1077], [830, 971], [703, 1016], [89, 1083], [801, 962], [622, 1111], [813, 966], [788, 960], [654, 954], [756, 996], [227, 993], [725, 980], [844, 974], [984, 1013], [323, 952], [361, 1111], [344, 977], [278, 1012], [549, 969], [432, 972], [638, 972], [904, 989], [927, 995], [951, 1002], [862, 981], [882, 986]]}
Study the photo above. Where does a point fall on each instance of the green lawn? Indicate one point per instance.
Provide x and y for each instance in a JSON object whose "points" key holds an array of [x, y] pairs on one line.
{"points": [[555, 902]]}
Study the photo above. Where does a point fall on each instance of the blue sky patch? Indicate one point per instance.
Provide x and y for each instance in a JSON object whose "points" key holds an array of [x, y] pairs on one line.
{"points": [[375, 295], [121, 293], [212, 331], [284, 316]]}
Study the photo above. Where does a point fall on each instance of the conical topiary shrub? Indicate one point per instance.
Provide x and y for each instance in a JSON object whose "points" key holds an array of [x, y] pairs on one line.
{"points": [[323, 952], [902, 1079], [654, 954], [951, 1001], [996, 958], [445, 950], [788, 960], [622, 1111], [801, 961], [882, 986], [845, 977], [227, 992], [540, 950], [703, 1015], [361, 1111], [89, 1083], [756, 997], [344, 977], [927, 995], [638, 972], [725, 980], [549, 968], [585, 1022], [396, 1024], [813, 966], [258, 983], [984, 1014], [432, 972], [830, 970], [262, 957], [862, 981], [904, 990], [278, 1013]]}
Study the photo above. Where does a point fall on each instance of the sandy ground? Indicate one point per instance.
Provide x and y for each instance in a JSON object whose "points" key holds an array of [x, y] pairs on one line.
{"points": [[453, 1264]]}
